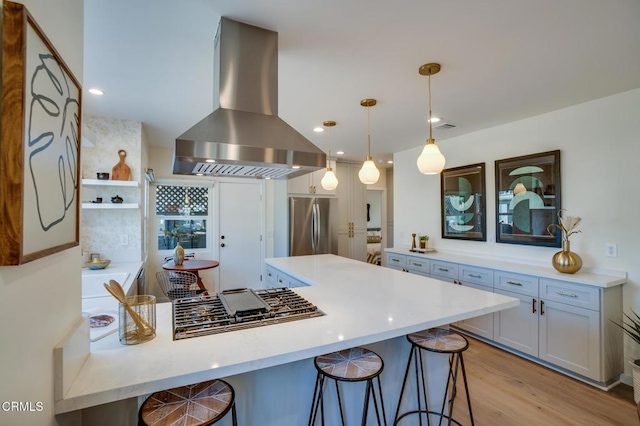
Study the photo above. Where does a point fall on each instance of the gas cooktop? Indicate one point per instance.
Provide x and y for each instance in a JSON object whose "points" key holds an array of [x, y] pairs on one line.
{"points": [[238, 309]]}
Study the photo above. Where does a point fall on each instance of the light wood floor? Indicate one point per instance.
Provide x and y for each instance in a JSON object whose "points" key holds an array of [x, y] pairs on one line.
{"points": [[509, 390]]}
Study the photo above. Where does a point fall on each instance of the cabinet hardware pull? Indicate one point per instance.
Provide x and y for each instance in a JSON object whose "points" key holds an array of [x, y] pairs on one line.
{"points": [[443, 269], [533, 306], [395, 260], [416, 264], [542, 307], [514, 283], [475, 276], [562, 293]]}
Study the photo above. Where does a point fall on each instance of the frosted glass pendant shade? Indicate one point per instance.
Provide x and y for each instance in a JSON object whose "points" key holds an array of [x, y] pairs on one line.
{"points": [[369, 173], [329, 180], [431, 161]]}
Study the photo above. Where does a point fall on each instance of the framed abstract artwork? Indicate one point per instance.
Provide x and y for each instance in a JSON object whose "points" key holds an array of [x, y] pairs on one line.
{"points": [[39, 145], [463, 203], [528, 199]]}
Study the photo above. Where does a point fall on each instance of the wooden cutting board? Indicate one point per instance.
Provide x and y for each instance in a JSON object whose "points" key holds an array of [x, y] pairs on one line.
{"points": [[121, 171]]}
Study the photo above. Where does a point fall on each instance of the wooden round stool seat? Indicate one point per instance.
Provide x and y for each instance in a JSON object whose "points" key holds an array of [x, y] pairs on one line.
{"points": [[349, 365], [353, 364], [193, 405], [439, 340]]}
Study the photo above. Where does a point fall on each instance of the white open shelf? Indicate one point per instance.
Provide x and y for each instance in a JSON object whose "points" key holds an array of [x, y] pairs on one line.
{"points": [[98, 182], [110, 206]]}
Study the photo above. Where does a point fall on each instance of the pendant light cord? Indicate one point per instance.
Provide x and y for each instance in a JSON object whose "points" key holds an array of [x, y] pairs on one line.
{"points": [[368, 134], [329, 143], [430, 122]]}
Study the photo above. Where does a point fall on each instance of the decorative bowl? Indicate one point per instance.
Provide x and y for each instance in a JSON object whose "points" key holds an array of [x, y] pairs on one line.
{"points": [[102, 176], [98, 264]]}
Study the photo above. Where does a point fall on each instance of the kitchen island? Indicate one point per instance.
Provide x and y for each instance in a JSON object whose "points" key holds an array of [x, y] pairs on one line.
{"points": [[271, 367]]}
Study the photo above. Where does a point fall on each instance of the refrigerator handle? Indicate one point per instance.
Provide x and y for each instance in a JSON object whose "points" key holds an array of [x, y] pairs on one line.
{"points": [[313, 227], [318, 230]]}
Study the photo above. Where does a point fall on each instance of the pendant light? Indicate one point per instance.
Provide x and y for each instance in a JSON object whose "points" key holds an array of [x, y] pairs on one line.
{"points": [[431, 161], [369, 173], [329, 180]]}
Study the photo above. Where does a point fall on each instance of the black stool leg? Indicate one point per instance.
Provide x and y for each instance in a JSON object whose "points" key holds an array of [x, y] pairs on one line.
{"points": [[365, 410], [454, 391], [339, 402], [384, 414], [466, 388], [424, 389], [317, 400], [234, 418], [404, 383]]}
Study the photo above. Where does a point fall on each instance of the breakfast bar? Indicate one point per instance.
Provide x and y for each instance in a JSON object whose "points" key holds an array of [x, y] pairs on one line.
{"points": [[271, 366]]}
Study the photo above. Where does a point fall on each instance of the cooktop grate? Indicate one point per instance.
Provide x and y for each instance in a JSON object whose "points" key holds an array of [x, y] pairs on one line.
{"points": [[205, 315]]}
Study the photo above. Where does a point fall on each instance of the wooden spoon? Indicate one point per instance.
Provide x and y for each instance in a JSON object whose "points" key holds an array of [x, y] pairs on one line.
{"points": [[116, 291]]}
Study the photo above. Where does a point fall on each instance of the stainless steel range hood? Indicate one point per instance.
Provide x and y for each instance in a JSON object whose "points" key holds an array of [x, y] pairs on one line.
{"points": [[244, 136]]}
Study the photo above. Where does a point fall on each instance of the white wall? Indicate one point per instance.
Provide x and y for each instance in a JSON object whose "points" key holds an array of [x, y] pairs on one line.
{"points": [[600, 149], [102, 229], [40, 301]]}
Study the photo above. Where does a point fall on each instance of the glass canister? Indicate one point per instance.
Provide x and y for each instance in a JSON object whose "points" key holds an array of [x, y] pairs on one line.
{"points": [[137, 319]]}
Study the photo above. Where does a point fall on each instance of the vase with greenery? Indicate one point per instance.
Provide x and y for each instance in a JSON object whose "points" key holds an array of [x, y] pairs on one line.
{"points": [[178, 251], [631, 328], [424, 241]]}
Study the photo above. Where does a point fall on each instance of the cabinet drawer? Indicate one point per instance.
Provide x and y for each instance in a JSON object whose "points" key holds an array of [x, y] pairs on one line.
{"points": [[446, 270], [396, 261], [570, 294], [417, 264], [521, 284], [474, 275]]}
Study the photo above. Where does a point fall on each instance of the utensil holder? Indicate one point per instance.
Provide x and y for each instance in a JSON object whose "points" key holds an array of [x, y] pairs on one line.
{"points": [[141, 329]]}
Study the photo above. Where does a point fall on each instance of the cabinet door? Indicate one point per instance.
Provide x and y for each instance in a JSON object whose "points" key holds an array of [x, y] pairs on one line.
{"points": [[517, 327], [482, 325], [570, 338], [445, 271], [418, 265], [299, 185], [271, 280]]}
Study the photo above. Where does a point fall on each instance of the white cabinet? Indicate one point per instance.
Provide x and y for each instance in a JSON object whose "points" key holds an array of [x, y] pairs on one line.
{"points": [[480, 279], [556, 321], [415, 265], [351, 223], [565, 324], [277, 278], [309, 184]]}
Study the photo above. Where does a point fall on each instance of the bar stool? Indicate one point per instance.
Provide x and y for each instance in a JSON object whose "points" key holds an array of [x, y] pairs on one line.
{"points": [[441, 341], [195, 405], [349, 365]]}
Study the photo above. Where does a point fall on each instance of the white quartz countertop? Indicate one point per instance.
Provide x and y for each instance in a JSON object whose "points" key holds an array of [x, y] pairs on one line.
{"points": [[363, 303], [580, 277]]}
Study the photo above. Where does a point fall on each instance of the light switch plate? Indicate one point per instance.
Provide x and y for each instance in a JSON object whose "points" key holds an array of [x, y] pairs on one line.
{"points": [[611, 250]]}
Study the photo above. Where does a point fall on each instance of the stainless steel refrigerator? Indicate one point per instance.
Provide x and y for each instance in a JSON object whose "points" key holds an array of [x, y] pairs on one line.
{"points": [[310, 225]]}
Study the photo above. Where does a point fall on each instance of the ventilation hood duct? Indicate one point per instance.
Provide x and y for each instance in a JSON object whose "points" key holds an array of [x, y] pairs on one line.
{"points": [[244, 136]]}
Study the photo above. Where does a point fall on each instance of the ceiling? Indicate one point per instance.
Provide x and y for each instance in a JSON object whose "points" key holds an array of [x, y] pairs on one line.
{"points": [[501, 61]]}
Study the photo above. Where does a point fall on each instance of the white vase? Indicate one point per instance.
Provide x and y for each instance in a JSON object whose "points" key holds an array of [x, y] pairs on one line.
{"points": [[636, 381]]}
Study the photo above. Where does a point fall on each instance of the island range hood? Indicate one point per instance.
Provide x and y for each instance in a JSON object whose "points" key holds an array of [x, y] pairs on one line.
{"points": [[244, 137]]}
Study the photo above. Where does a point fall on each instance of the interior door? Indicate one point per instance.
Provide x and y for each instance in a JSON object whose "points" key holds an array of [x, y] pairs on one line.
{"points": [[239, 240]]}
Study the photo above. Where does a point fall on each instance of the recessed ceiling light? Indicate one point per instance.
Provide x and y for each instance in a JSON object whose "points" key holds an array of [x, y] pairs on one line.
{"points": [[295, 167], [340, 153], [433, 120], [390, 162], [318, 129], [96, 91], [209, 161]]}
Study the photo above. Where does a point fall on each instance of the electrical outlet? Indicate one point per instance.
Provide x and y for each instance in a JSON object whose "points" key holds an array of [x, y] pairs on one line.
{"points": [[124, 239], [611, 250]]}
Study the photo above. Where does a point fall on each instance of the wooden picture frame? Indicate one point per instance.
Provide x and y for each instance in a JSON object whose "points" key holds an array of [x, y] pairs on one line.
{"points": [[528, 199], [39, 143], [463, 203]]}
